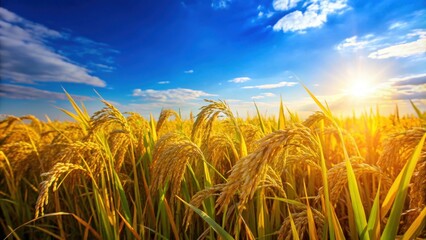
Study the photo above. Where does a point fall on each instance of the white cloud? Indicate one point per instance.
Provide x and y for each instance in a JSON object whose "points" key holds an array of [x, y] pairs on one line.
{"points": [[354, 43], [30, 57], [220, 4], [405, 87], [401, 50], [177, 95], [103, 67], [273, 85], [29, 93], [240, 79], [189, 71], [163, 82], [417, 33], [314, 16], [263, 95], [268, 94], [282, 5], [258, 97], [415, 79], [396, 25], [392, 44], [262, 12]]}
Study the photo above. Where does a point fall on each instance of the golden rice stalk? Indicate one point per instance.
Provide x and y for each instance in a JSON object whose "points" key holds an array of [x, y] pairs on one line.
{"points": [[417, 195], [22, 158], [52, 179], [315, 118], [337, 177], [221, 152], [252, 134], [171, 155], [164, 115], [67, 133], [204, 124], [198, 199], [139, 126], [7, 127], [119, 144], [398, 148], [301, 222], [14, 132], [205, 118], [7, 123], [79, 153], [109, 115], [249, 171], [34, 121], [273, 184]]}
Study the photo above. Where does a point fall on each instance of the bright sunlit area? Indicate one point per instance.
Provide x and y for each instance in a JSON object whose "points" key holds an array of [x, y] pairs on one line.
{"points": [[361, 86]]}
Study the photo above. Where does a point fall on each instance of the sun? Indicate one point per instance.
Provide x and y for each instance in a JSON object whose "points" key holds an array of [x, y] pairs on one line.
{"points": [[360, 87]]}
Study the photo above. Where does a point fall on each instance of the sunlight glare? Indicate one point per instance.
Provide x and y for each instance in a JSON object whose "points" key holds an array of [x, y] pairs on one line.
{"points": [[360, 87]]}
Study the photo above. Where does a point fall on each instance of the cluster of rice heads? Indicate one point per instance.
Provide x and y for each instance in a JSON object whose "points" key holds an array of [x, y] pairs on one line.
{"points": [[117, 175]]}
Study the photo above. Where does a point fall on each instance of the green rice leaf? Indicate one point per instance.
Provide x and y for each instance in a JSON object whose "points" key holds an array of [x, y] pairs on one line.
{"points": [[216, 227], [392, 225]]}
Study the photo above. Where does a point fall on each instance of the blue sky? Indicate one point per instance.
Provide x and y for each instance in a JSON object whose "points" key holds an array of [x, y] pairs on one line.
{"points": [[147, 55]]}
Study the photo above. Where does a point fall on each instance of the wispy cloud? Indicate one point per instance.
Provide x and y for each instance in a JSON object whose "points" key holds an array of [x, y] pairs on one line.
{"points": [[401, 50], [263, 95], [239, 79], [408, 87], [163, 82], [396, 25], [30, 93], [176, 95], [315, 15], [402, 39], [220, 4], [189, 71], [257, 97], [263, 12], [31, 57], [415, 79], [283, 5], [357, 43], [103, 67], [273, 85]]}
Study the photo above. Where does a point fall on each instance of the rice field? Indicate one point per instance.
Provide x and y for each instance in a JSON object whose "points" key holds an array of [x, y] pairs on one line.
{"points": [[213, 175]]}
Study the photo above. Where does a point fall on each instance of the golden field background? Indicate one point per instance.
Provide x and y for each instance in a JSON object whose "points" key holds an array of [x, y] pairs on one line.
{"points": [[118, 175]]}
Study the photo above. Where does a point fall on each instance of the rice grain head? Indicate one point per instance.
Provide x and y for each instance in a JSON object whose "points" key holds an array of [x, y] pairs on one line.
{"points": [[52, 179]]}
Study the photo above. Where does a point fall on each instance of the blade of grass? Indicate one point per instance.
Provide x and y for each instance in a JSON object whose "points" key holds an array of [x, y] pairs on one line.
{"points": [[216, 227], [360, 219], [373, 225], [293, 226], [418, 112], [311, 221], [171, 219], [281, 117], [336, 224], [417, 225], [152, 128], [81, 221], [392, 225], [319, 104], [262, 125], [326, 191]]}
